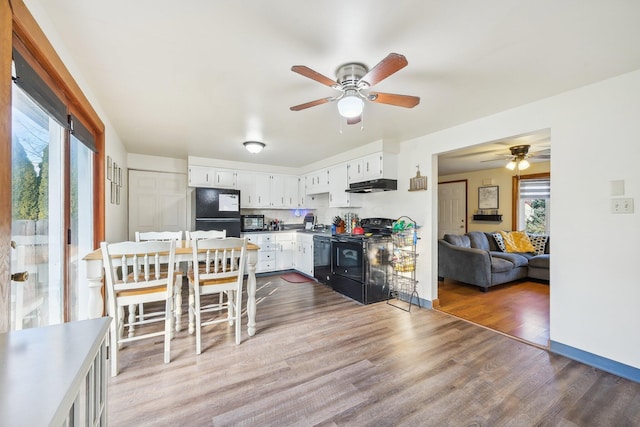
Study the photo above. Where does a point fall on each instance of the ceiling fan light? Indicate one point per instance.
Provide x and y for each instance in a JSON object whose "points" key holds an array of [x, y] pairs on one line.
{"points": [[254, 147], [524, 164], [511, 165], [350, 106]]}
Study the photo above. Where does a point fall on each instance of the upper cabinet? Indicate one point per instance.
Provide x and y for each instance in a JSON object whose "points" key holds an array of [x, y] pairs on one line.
{"points": [[317, 181], [201, 176], [263, 190], [338, 197], [373, 166], [207, 176]]}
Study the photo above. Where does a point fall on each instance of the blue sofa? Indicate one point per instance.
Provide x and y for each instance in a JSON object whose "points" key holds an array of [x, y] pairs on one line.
{"points": [[476, 259]]}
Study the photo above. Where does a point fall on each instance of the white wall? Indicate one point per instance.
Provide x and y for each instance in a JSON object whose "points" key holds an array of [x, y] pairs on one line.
{"points": [[595, 287]]}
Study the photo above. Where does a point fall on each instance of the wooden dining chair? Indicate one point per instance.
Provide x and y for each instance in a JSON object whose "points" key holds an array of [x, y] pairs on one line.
{"points": [[151, 279], [161, 236], [218, 266], [205, 234]]}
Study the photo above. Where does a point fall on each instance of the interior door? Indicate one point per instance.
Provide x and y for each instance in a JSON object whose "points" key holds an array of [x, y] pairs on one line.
{"points": [[452, 208], [157, 201]]}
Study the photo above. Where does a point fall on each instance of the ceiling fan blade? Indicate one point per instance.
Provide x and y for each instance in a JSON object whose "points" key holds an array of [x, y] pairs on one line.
{"points": [[389, 65], [406, 101], [354, 120], [311, 103], [313, 75]]}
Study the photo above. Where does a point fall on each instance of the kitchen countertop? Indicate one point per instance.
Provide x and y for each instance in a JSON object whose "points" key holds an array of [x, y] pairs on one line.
{"points": [[326, 232]]}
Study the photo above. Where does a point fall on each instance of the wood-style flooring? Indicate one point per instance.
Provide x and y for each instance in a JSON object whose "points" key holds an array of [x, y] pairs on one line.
{"points": [[321, 359], [519, 309]]}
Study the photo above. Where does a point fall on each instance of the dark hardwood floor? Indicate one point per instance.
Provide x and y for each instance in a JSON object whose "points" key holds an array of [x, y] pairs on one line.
{"points": [[519, 309], [320, 359]]}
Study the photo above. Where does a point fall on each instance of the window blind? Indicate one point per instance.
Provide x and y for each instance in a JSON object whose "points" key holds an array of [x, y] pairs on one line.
{"points": [[36, 88], [535, 188]]}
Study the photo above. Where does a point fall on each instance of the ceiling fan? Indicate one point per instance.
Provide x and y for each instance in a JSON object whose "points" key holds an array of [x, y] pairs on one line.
{"points": [[354, 81], [519, 155]]}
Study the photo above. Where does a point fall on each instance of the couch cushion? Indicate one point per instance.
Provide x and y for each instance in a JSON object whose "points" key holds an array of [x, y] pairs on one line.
{"points": [[497, 237], [517, 260], [457, 240], [539, 243], [517, 241], [540, 261], [478, 240], [499, 265]]}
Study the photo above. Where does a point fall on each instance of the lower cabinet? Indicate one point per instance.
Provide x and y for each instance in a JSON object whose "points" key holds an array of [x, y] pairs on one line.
{"points": [[283, 251], [304, 253]]}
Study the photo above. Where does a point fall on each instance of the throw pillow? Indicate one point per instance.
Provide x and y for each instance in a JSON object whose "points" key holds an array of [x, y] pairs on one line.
{"points": [[498, 238], [539, 242], [517, 241]]}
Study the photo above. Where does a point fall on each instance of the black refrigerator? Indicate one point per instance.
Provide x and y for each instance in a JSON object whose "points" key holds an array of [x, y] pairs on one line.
{"points": [[216, 209]]}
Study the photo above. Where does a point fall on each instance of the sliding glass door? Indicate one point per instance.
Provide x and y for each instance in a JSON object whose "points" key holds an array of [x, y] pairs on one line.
{"points": [[37, 294]]}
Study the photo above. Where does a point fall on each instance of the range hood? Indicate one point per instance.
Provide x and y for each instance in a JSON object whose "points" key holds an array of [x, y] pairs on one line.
{"points": [[373, 186]]}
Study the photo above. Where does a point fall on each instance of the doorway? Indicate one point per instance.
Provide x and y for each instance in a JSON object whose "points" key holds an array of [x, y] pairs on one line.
{"points": [[519, 309]]}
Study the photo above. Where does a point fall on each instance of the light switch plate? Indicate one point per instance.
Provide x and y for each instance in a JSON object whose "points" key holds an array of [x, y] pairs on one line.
{"points": [[622, 206]]}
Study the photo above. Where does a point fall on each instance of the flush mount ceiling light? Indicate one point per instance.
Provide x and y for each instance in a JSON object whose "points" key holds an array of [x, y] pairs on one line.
{"points": [[518, 160], [254, 147]]}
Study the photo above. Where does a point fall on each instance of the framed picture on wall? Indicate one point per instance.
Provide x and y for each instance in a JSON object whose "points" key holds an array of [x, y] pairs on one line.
{"points": [[488, 197], [109, 168], [113, 192]]}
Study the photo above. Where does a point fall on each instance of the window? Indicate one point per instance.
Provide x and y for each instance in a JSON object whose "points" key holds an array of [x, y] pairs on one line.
{"points": [[533, 203]]}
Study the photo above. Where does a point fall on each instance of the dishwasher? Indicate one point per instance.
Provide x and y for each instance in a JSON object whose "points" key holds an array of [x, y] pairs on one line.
{"points": [[322, 259]]}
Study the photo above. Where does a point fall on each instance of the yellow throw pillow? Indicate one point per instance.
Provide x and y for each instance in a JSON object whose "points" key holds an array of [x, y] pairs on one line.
{"points": [[517, 241]]}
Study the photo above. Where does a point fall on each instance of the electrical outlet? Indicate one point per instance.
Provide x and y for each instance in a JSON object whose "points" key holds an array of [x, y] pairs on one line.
{"points": [[622, 206]]}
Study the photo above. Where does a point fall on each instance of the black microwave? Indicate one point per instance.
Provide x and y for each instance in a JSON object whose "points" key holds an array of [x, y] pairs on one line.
{"points": [[252, 222]]}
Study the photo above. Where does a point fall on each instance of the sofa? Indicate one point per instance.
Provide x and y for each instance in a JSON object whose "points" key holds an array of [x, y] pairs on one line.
{"points": [[477, 259]]}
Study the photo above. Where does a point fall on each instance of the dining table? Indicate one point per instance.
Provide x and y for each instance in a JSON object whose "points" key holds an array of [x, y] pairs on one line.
{"points": [[184, 254]]}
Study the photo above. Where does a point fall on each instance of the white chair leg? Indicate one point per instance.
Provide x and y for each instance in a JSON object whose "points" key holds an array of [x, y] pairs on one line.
{"points": [[191, 308], [238, 317], [141, 311], [168, 331], [198, 321], [113, 351], [178, 302], [230, 306], [132, 319], [120, 323]]}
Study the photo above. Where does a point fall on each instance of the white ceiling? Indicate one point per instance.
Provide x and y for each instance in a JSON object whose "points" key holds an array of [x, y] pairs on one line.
{"points": [[199, 77]]}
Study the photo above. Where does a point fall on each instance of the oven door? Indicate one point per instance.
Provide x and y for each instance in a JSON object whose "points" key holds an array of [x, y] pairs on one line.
{"points": [[347, 259]]}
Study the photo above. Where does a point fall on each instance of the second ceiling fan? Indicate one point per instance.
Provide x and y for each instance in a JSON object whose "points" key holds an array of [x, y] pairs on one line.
{"points": [[354, 81]]}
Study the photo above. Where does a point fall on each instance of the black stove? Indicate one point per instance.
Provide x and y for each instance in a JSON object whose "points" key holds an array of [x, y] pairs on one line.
{"points": [[361, 263]]}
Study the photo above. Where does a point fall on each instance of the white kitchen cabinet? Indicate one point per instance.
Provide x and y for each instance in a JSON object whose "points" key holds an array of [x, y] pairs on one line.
{"points": [[373, 166], [247, 185], [338, 197], [304, 253], [285, 250], [302, 196], [291, 199], [266, 253], [226, 178], [317, 181], [201, 176], [277, 191], [263, 190]]}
